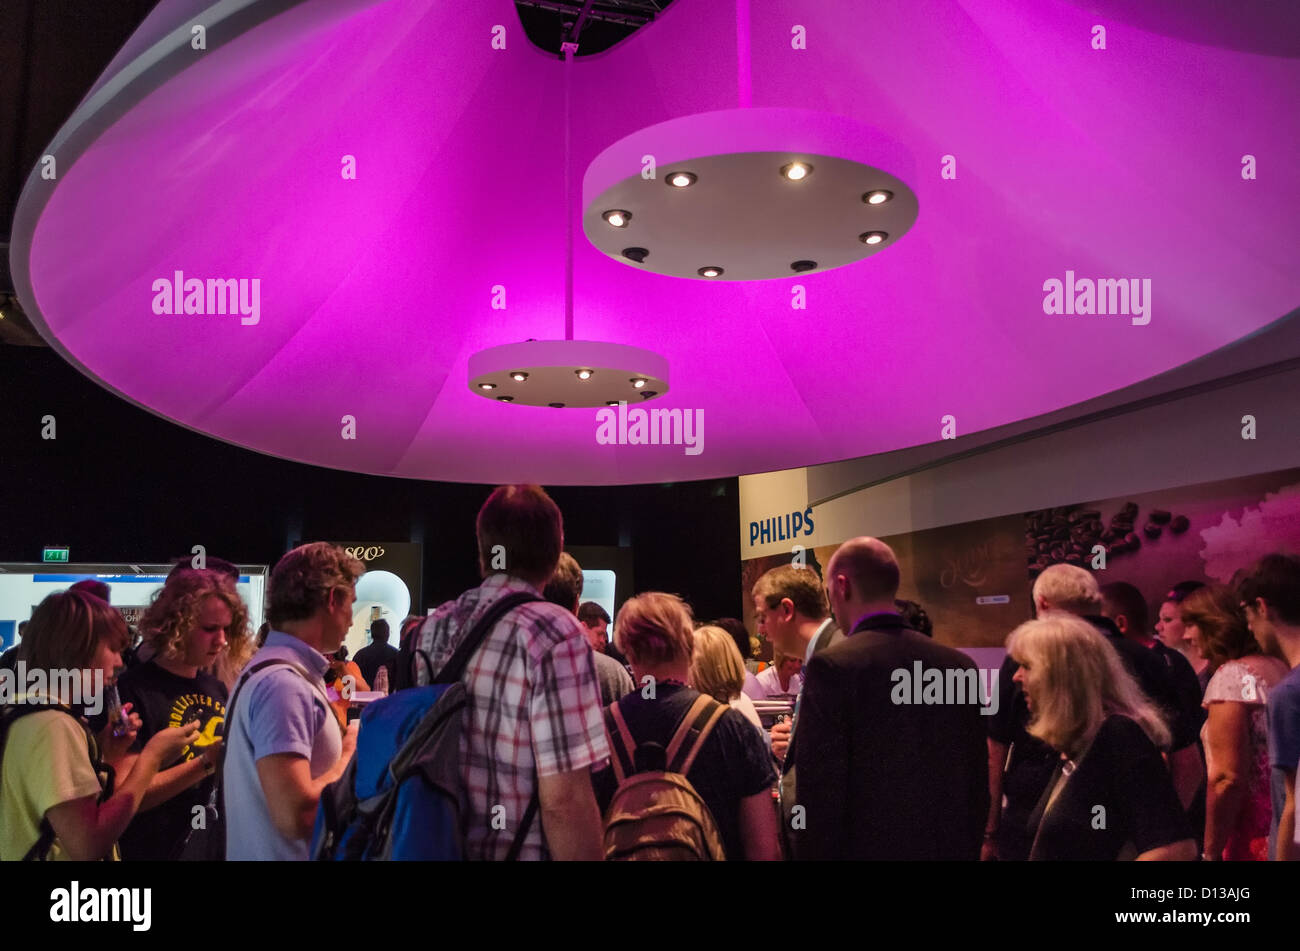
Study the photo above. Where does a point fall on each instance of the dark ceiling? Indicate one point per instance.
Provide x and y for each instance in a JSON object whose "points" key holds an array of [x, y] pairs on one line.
{"points": [[596, 25]]}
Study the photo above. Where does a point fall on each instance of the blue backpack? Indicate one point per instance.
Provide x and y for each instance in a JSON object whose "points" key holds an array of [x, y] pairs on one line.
{"points": [[400, 797]]}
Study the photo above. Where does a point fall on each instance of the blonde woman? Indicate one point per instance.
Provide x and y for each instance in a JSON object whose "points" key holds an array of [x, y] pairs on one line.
{"points": [[718, 670], [195, 619], [1111, 796], [733, 771]]}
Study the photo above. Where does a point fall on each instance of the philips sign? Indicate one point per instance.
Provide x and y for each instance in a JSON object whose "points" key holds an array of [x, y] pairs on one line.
{"points": [[781, 527]]}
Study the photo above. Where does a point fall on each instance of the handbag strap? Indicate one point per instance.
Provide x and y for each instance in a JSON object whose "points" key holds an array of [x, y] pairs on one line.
{"points": [[1060, 776]]}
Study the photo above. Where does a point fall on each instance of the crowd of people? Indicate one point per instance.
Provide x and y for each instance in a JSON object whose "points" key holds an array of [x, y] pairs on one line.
{"points": [[1102, 737]]}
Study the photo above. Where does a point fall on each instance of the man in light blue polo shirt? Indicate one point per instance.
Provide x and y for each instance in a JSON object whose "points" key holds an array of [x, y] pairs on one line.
{"points": [[283, 741]]}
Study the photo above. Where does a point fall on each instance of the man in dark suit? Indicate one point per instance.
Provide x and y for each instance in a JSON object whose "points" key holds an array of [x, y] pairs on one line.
{"points": [[791, 611], [886, 771]]}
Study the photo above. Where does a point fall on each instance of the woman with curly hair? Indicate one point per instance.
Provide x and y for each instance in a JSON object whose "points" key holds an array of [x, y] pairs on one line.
{"points": [[195, 620], [1238, 808]]}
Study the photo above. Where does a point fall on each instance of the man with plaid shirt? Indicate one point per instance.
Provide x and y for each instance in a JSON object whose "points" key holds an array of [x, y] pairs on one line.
{"points": [[534, 721]]}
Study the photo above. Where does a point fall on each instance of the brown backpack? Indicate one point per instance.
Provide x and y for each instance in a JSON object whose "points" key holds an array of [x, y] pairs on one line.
{"points": [[656, 814]]}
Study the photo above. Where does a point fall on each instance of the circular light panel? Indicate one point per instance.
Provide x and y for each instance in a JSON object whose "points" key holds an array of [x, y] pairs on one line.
{"points": [[555, 371], [756, 221]]}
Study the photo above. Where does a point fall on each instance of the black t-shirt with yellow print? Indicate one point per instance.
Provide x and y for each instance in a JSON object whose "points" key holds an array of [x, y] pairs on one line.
{"points": [[162, 700]]}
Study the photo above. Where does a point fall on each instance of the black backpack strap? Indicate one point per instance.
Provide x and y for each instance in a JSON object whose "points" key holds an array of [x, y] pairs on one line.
{"points": [[454, 669], [405, 672], [230, 720], [40, 851], [247, 675]]}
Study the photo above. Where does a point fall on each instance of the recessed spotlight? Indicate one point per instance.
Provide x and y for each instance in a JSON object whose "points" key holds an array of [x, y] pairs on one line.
{"points": [[681, 179], [636, 254], [872, 237], [519, 376], [799, 266], [638, 381], [506, 399], [646, 394], [487, 386], [796, 171], [877, 197], [583, 374], [612, 402], [710, 271], [556, 405], [618, 219]]}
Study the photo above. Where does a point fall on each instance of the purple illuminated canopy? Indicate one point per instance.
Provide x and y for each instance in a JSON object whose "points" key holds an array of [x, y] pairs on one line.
{"points": [[1033, 157]]}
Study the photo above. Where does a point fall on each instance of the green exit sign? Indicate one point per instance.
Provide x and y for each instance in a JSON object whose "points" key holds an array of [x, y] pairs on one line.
{"points": [[54, 554]]}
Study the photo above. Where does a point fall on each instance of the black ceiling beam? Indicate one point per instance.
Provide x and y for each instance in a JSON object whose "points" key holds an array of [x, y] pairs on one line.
{"points": [[582, 18], [625, 19]]}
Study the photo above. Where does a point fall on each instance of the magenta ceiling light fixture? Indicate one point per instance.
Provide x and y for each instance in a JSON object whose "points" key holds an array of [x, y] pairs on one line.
{"points": [[743, 202], [568, 373]]}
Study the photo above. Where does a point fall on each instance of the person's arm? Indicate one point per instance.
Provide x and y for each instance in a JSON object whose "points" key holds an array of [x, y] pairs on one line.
{"points": [[1184, 851], [758, 829], [1187, 770], [997, 760], [292, 796], [570, 819], [1145, 804], [564, 707], [1228, 739], [89, 829], [169, 783], [1287, 850], [780, 740]]}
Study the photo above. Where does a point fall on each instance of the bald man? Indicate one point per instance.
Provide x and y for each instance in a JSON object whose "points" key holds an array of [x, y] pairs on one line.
{"points": [[885, 771]]}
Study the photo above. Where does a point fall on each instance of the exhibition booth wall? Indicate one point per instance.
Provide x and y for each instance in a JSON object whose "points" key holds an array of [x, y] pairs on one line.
{"points": [[1191, 488]]}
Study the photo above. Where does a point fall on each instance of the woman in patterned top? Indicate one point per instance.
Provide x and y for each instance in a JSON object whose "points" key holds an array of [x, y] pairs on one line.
{"points": [[1238, 810]]}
